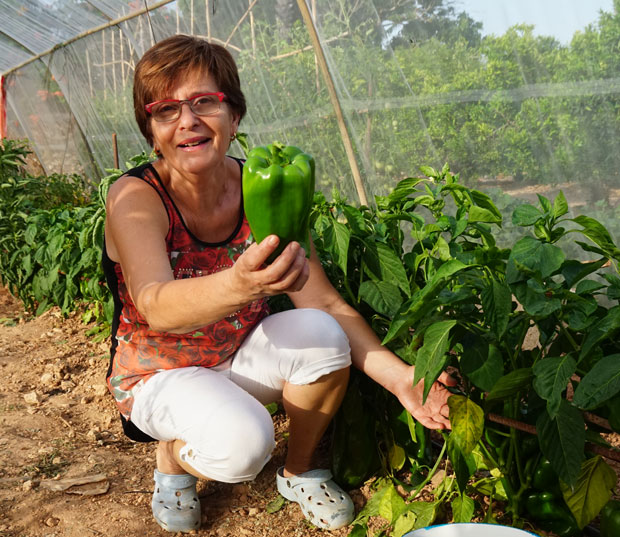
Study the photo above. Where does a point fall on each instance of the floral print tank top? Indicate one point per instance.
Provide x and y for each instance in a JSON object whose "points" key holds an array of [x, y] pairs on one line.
{"points": [[139, 352]]}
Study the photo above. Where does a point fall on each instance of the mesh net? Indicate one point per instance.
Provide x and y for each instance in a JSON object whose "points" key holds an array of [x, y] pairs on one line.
{"points": [[517, 112]]}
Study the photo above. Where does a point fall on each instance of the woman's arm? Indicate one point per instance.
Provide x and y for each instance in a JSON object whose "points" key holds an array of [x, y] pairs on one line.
{"points": [[368, 355], [136, 228]]}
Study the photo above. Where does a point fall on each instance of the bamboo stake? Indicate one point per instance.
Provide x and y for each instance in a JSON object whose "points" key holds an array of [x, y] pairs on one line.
{"points": [[113, 63], [612, 454], [317, 80], [234, 30], [208, 19], [105, 78], [191, 17], [115, 150], [307, 48], [348, 146], [141, 34], [123, 84], [120, 42], [178, 19], [90, 77], [253, 33]]}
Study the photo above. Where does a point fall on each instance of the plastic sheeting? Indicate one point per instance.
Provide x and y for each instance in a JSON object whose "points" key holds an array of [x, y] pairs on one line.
{"points": [[419, 83]]}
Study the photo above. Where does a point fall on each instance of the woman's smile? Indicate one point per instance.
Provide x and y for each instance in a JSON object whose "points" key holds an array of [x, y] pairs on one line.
{"points": [[194, 144]]}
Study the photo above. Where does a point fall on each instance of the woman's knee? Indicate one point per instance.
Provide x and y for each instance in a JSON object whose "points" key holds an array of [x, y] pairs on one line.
{"points": [[236, 453], [307, 328], [250, 449]]}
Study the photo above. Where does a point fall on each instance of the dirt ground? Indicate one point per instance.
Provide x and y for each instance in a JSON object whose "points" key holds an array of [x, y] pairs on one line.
{"points": [[57, 419], [59, 427]]}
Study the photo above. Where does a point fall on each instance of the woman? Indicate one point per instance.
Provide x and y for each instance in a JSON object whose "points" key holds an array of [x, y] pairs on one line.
{"points": [[195, 353]]}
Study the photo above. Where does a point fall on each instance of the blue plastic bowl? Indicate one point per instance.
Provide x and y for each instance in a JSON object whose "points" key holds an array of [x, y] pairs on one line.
{"points": [[469, 530]]}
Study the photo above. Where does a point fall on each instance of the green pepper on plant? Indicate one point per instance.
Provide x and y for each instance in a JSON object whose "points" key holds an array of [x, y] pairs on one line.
{"points": [[278, 189], [610, 519], [545, 504]]}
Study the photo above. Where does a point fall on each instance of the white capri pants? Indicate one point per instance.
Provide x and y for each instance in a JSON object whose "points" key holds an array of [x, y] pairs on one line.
{"points": [[219, 412]]}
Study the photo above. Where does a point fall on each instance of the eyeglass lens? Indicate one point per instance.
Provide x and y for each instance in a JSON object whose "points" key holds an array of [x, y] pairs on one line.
{"points": [[204, 105]]}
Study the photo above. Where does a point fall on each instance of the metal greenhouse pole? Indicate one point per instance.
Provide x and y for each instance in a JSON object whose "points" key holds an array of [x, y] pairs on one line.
{"points": [[344, 133]]}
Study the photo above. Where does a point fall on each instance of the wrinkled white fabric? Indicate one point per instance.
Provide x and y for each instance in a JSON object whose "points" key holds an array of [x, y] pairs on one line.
{"points": [[219, 413]]}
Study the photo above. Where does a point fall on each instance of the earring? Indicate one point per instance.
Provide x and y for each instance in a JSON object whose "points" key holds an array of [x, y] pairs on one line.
{"points": [[233, 137], [157, 152]]}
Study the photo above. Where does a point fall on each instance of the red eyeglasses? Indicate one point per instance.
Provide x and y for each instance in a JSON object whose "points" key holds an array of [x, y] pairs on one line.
{"points": [[205, 104]]}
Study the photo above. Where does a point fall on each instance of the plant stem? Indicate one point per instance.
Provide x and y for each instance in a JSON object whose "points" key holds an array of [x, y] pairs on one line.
{"points": [[433, 469], [569, 336]]}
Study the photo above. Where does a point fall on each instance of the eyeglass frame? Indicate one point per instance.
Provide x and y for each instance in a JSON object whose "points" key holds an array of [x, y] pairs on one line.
{"points": [[149, 107]]}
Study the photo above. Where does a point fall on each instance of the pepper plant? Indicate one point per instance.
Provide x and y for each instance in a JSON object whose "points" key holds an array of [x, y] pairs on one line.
{"points": [[424, 268], [51, 235]]}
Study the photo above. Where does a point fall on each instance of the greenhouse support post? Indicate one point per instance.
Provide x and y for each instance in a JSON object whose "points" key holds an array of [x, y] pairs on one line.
{"points": [[331, 88], [2, 107]]}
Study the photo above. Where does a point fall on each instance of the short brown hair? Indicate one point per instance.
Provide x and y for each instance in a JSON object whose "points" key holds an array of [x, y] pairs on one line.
{"points": [[177, 57]]}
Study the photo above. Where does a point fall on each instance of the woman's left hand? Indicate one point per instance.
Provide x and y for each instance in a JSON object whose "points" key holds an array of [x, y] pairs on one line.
{"points": [[433, 414]]}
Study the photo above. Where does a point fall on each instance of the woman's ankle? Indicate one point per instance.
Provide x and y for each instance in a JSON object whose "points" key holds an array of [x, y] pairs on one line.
{"points": [[166, 462]]}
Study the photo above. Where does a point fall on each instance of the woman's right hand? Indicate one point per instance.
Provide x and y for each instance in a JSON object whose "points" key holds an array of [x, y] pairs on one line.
{"points": [[251, 277]]}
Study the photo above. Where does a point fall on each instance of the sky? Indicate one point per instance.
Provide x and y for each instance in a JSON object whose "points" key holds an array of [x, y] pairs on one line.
{"points": [[557, 18]]}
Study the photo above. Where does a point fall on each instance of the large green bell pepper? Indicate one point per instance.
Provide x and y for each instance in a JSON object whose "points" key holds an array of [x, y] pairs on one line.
{"points": [[278, 189]]}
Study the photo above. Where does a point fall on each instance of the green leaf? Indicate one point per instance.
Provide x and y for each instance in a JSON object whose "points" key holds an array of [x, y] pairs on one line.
{"points": [[562, 440], [275, 505], [385, 265], [391, 505], [535, 300], [510, 384], [405, 188], [462, 509], [441, 249], [432, 356], [480, 214], [425, 512], [491, 486], [526, 215], [560, 205], [404, 524], [396, 457], [573, 270], [483, 200], [355, 219], [483, 365], [421, 302], [429, 171], [383, 297], [30, 234], [467, 421], [464, 465], [336, 238], [537, 256], [497, 305], [359, 531], [591, 491], [373, 504], [588, 287], [603, 329], [544, 203], [55, 245], [601, 383], [598, 234], [551, 379]]}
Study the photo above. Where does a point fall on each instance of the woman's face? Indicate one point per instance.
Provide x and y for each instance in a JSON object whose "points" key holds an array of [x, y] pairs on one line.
{"points": [[194, 144]]}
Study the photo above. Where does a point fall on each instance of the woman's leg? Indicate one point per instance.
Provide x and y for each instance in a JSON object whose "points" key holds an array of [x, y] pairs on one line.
{"points": [[310, 408], [207, 425], [301, 356]]}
